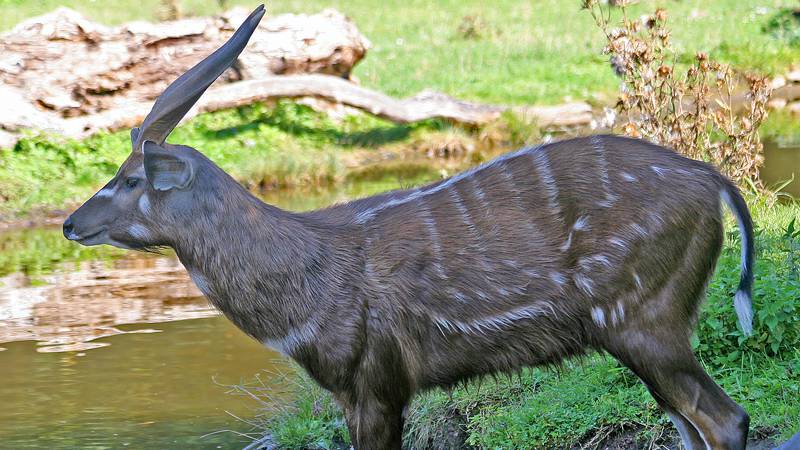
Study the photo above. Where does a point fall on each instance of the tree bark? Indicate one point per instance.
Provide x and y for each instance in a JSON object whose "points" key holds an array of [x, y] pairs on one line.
{"points": [[64, 64]]}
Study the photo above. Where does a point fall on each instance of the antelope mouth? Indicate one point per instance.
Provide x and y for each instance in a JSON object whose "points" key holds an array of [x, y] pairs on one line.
{"points": [[90, 239]]}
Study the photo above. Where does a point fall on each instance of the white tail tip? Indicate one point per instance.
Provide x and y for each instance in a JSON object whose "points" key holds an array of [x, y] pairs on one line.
{"points": [[744, 310]]}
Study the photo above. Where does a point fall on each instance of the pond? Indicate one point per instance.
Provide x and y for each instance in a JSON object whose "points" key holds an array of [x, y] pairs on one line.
{"points": [[101, 348], [781, 164]]}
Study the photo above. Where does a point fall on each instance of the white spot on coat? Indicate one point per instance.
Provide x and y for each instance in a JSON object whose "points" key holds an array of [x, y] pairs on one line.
{"points": [[139, 231], [584, 283], [582, 224], [558, 278], [660, 171], [105, 192], [628, 177], [144, 204], [599, 316]]}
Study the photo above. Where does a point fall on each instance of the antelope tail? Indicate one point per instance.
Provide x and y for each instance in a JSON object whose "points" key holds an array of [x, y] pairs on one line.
{"points": [[743, 301]]}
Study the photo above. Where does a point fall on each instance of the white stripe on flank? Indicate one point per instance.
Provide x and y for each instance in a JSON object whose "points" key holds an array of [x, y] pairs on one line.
{"points": [[472, 230], [296, 337], [638, 281], [618, 242], [600, 152], [639, 230], [532, 231], [565, 246], [494, 323], [365, 216], [433, 235], [584, 283], [621, 309], [586, 262], [542, 166], [558, 278], [598, 316]]}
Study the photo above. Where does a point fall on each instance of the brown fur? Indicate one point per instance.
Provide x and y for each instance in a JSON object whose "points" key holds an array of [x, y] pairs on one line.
{"points": [[600, 243]]}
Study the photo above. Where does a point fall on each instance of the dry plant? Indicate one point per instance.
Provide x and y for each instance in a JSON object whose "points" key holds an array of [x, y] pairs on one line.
{"points": [[169, 10], [706, 111]]}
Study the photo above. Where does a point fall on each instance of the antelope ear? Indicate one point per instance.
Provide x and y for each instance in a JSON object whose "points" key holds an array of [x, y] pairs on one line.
{"points": [[166, 170]]}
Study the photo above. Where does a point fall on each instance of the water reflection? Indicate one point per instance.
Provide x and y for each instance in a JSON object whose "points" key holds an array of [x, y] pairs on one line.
{"points": [[67, 310], [78, 374], [782, 163]]}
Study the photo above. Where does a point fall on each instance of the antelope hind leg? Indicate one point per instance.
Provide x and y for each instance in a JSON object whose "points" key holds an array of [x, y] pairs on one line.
{"points": [[685, 391]]}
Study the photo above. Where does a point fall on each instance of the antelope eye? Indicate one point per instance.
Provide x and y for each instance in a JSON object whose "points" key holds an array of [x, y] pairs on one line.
{"points": [[131, 183]]}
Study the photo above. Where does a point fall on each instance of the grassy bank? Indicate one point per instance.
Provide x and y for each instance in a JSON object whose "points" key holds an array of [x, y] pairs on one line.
{"points": [[595, 400], [263, 147]]}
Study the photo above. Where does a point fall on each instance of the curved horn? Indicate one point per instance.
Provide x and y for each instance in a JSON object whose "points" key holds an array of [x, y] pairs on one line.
{"points": [[183, 93]]}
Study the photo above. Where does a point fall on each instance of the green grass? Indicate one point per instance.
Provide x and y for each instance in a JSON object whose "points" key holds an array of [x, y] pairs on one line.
{"points": [[525, 52], [262, 147], [596, 397]]}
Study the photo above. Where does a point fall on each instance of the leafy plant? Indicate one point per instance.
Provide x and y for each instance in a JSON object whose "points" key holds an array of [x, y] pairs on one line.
{"points": [[791, 238], [785, 26]]}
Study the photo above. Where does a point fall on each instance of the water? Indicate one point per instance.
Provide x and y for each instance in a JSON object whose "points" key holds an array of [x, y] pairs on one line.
{"points": [[102, 348], [782, 163]]}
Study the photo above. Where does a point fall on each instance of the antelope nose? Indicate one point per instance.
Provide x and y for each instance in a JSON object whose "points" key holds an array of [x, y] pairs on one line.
{"points": [[69, 231]]}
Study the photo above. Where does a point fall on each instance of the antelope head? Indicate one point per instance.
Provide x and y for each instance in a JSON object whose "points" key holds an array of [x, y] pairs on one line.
{"points": [[158, 181]]}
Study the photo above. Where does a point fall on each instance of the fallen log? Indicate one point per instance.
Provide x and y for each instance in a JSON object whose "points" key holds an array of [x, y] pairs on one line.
{"points": [[64, 64], [426, 105], [47, 85]]}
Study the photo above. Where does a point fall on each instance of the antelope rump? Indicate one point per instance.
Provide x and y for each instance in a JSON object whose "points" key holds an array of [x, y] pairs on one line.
{"points": [[600, 243]]}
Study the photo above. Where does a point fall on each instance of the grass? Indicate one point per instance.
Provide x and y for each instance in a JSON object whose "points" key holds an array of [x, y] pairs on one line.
{"points": [[263, 147], [595, 398], [517, 52]]}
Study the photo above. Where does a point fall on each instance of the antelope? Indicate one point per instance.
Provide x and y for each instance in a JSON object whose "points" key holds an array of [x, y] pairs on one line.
{"points": [[600, 243]]}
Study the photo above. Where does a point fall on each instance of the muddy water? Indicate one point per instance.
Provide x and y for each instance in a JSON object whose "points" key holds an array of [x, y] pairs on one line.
{"points": [[110, 349], [782, 163]]}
